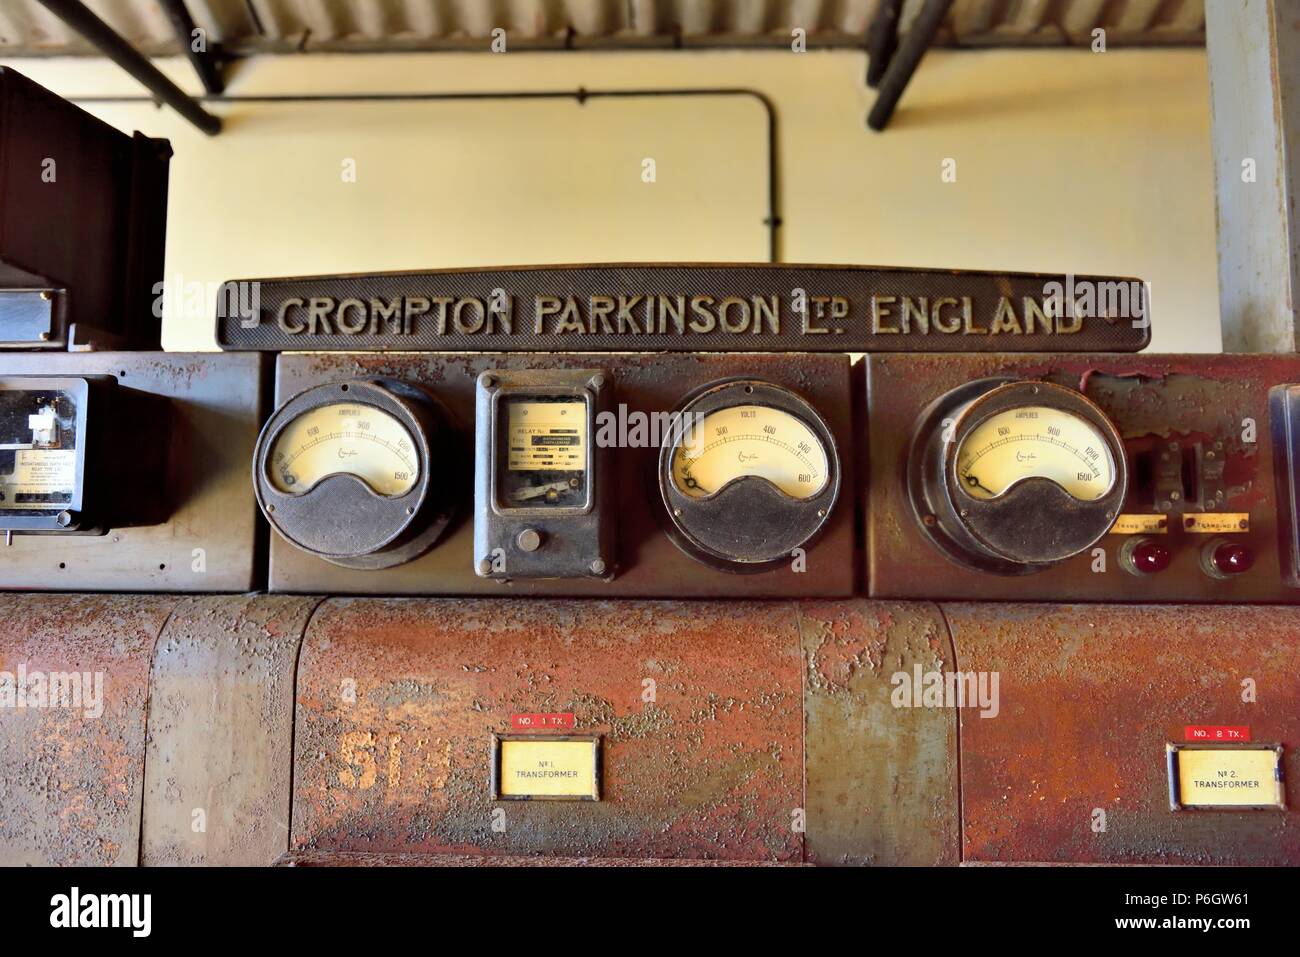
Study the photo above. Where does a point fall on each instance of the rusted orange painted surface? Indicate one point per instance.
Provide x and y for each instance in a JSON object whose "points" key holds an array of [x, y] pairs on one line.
{"points": [[725, 725], [398, 700], [363, 859], [71, 775], [1090, 694]]}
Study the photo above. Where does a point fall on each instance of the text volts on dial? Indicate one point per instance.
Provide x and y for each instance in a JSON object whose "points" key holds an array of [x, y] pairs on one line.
{"points": [[750, 474]]}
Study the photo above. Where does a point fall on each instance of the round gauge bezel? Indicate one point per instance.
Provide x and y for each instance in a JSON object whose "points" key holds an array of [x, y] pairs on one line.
{"points": [[274, 474], [342, 510], [749, 512], [1003, 399], [999, 534]]}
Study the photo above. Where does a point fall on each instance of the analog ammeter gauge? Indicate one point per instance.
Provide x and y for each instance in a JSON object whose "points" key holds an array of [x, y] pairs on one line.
{"points": [[361, 473], [749, 474], [1014, 476]]}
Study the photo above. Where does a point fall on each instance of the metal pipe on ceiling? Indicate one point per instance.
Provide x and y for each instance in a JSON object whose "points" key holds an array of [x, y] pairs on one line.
{"points": [[204, 58], [77, 16], [906, 60]]}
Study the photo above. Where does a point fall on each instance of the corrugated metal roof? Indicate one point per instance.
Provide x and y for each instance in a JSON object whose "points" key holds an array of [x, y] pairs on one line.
{"points": [[247, 26]]}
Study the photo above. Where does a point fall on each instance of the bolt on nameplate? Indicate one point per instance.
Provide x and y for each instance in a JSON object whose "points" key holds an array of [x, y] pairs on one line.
{"points": [[703, 308], [546, 767], [1242, 777]]}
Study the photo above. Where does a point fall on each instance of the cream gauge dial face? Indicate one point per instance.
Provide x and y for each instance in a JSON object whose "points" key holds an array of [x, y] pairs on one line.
{"points": [[345, 438], [750, 440], [1030, 441]]}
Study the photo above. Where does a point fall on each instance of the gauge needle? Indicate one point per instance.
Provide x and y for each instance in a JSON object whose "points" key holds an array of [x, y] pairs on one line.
{"points": [[537, 491], [974, 482]]}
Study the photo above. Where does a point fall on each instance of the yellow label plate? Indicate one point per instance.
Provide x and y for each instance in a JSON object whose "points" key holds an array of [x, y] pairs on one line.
{"points": [[1216, 523], [1140, 525], [547, 768], [1226, 777]]}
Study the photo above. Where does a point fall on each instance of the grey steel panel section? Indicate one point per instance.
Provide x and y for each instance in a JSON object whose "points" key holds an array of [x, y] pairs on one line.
{"points": [[220, 753], [209, 543]]}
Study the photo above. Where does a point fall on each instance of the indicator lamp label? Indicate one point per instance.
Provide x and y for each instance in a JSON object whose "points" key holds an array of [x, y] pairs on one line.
{"points": [[1141, 525], [1217, 523]]}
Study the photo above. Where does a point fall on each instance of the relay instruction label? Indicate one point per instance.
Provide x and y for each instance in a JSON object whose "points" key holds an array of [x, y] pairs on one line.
{"points": [[40, 476], [547, 436]]}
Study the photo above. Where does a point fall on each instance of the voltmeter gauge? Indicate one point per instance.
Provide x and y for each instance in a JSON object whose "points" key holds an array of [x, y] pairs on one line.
{"points": [[752, 440], [749, 474], [1014, 476], [360, 473], [543, 494]]}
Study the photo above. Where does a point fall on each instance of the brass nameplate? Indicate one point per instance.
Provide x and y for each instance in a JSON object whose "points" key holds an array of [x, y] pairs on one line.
{"points": [[546, 768], [1237, 778], [1216, 523], [692, 308], [1140, 525]]}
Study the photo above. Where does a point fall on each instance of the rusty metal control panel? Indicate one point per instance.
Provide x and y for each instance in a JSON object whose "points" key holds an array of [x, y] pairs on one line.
{"points": [[1080, 478], [647, 563], [644, 475], [613, 605]]}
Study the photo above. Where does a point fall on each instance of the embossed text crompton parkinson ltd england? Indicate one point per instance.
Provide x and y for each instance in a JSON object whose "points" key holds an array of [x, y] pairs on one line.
{"points": [[692, 308], [680, 315]]}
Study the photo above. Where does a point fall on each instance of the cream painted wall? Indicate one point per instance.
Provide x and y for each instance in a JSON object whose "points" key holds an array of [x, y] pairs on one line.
{"points": [[1066, 161]]}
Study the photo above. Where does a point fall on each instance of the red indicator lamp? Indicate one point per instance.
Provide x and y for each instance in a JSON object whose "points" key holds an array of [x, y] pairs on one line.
{"points": [[1223, 558], [1142, 555]]}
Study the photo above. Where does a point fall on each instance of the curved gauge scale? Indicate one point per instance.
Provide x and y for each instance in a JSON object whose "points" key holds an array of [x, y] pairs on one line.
{"points": [[345, 438], [750, 440], [1035, 441]]}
